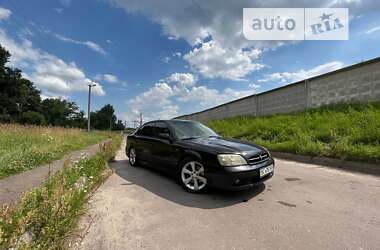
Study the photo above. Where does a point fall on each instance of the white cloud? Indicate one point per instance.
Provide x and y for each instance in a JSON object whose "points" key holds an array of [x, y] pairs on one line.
{"points": [[4, 13], [206, 97], [109, 78], [25, 32], [212, 61], [290, 77], [199, 21], [156, 96], [372, 30], [185, 79], [168, 112], [43, 97], [165, 59], [254, 86], [50, 73], [91, 45], [161, 101]]}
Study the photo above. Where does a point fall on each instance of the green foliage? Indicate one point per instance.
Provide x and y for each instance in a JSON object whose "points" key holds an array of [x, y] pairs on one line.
{"points": [[48, 213], [344, 131], [17, 94], [105, 119], [32, 117], [60, 112], [20, 101], [26, 147]]}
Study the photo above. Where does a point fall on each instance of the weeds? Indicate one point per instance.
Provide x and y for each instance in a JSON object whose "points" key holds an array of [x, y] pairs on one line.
{"points": [[26, 147], [45, 215], [349, 132]]}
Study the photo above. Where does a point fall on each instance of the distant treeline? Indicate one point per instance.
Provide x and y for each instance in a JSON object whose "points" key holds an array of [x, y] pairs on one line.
{"points": [[20, 102]]}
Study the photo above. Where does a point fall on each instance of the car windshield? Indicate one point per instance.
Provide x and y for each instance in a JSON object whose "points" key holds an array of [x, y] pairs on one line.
{"points": [[189, 130]]}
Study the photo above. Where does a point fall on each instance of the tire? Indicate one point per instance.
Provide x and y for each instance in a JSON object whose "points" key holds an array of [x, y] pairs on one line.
{"points": [[132, 157], [191, 176]]}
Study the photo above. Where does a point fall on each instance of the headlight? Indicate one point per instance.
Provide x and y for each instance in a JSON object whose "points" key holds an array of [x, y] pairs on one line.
{"points": [[231, 160]]}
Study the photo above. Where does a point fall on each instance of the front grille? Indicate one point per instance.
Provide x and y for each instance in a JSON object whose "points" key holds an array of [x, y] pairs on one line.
{"points": [[256, 159]]}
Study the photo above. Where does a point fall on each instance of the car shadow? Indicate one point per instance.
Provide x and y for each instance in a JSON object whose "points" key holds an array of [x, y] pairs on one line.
{"points": [[167, 188]]}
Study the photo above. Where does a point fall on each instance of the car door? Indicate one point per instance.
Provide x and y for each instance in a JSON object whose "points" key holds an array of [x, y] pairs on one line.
{"points": [[165, 153], [144, 143]]}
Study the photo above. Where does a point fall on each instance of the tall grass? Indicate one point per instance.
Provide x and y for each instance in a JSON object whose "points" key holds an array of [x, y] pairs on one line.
{"points": [[45, 216], [26, 147], [350, 132]]}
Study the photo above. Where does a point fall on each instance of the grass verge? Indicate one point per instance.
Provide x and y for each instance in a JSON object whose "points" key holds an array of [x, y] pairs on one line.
{"points": [[45, 215], [348, 132], [26, 147]]}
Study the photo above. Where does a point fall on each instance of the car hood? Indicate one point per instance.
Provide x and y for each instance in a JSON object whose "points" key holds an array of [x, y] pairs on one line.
{"points": [[223, 145]]}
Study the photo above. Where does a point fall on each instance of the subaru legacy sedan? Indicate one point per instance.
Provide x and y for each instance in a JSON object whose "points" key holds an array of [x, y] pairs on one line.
{"points": [[198, 157]]}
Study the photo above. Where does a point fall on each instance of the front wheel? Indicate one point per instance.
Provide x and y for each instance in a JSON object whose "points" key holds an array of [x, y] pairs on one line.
{"points": [[132, 157], [192, 176]]}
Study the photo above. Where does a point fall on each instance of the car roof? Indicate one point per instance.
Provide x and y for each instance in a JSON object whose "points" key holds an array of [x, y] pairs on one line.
{"points": [[173, 120]]}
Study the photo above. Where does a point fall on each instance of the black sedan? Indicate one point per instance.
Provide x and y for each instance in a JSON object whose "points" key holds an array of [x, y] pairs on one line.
{"points": [[199, 157]]}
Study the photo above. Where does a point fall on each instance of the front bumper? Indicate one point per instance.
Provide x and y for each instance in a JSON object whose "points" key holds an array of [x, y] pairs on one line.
{"points": [[238, 178]]}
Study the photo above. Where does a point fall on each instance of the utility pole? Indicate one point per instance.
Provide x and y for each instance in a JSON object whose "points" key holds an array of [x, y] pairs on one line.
{"points": [[141, 119], [89, 107]]}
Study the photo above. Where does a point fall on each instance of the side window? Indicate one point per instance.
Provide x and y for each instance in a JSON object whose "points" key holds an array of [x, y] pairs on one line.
{"points": [[161, 129], [139, 131], [146, 130]]}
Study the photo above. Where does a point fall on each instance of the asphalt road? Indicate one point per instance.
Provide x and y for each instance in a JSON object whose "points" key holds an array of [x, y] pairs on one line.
{"points": [[303, 206]]}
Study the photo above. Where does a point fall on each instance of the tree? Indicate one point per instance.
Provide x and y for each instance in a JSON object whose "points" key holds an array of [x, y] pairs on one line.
{"points": [[60, 112], [119, 125], [32, 117], [78, 120], [104, 118], [20, 101], [17, 94]]}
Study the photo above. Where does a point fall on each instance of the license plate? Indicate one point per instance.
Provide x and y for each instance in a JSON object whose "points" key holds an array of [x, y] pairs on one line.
{"points": [[266, 170]]}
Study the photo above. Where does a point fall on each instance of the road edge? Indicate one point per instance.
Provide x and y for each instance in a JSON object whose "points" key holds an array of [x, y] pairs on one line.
{"points": [[351, 166]]}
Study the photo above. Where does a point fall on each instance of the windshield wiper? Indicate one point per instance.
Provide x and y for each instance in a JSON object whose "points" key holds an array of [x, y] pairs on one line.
{"points": [[214, 136]]}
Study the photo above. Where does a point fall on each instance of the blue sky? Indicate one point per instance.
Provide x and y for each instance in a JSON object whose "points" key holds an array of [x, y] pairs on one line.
{"points": [[167, 58]]}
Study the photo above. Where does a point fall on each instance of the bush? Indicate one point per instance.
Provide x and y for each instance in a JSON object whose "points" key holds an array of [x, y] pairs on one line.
{"points": [[23, 147], [45, 215], [344, 131], [32, 117]]}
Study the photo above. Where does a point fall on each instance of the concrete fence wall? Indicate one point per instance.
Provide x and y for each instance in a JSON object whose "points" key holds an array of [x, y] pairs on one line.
{"points": [[356, 83]]}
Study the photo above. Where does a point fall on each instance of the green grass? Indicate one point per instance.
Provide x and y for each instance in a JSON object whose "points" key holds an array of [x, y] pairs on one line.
{"points": [[26, 147], [350, 132], [50, 212]]}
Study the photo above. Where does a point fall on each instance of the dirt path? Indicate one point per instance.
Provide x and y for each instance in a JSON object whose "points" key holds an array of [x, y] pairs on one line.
{"points": [[13, 186], [303, 206]]}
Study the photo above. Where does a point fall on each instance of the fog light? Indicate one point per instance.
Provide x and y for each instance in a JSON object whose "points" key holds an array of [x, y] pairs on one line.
{"points": [[237, 181]]}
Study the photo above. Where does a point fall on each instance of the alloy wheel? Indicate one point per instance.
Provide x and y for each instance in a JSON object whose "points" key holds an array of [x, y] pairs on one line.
{"points": [[132, 156], [192, 176]]}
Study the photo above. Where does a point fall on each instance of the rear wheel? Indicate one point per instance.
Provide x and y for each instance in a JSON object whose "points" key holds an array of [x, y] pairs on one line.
{"points": [[192, 176], [132, 157]]}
